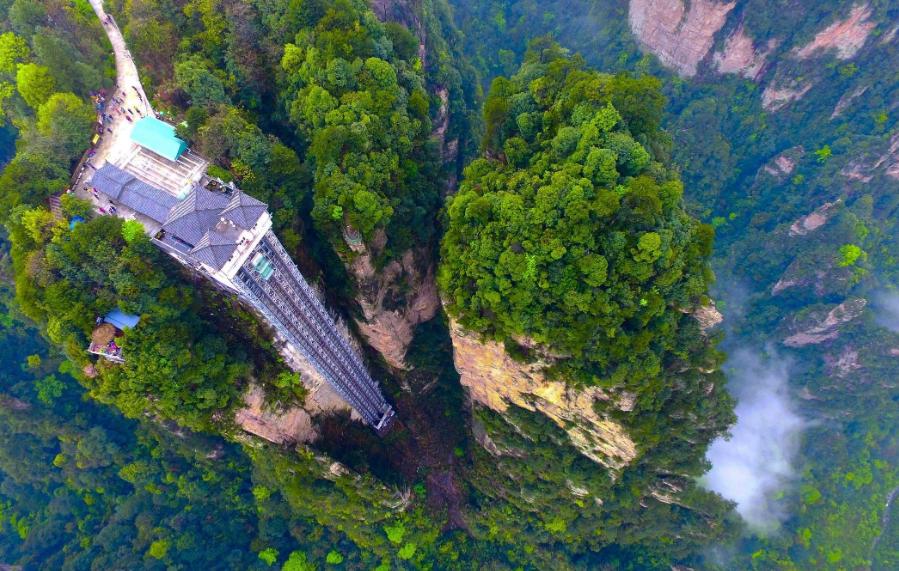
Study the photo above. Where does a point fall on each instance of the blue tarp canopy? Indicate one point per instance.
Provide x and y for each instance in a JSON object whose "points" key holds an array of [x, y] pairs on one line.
{"points": [[121, 319], [159, 137]]}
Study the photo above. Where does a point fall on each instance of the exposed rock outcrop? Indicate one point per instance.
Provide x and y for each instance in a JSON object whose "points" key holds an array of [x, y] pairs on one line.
{"points": [[846, 36], [280, 426], [495, 380], [12, 403], [824, 326], [783, 164], [844, 364], [890, 35], [890, 159], [817, 274], [394, 300], [708, 317], [784, 284], [290, 424], [846, 100], [680, 36], [815, 220], [864, 170], [741, 56], [777, 96]]}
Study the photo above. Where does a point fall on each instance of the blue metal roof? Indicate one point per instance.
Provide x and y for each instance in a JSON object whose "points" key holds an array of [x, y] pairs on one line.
{"points": [[121, 319], [159, 137]]}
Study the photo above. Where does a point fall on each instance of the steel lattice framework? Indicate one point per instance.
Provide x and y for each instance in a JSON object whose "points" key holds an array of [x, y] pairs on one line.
{"points": [[293, 308]]}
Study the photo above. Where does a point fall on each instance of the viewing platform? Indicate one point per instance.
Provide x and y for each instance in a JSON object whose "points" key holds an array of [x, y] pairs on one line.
{"points": [[106, 337]]}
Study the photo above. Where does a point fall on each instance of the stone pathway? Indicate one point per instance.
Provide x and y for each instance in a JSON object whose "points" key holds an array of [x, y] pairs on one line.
{"points": [[116, 136]]}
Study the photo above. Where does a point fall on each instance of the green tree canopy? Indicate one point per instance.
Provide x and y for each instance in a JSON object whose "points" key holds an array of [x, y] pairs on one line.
{"points": [[35, 83], [65, 120], [195, 76], [13, 49], [570, 234], [360, 105]]}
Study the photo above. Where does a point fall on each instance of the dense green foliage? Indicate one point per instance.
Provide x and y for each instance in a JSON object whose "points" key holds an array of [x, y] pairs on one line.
{"points": [[574, 236], [351, 95], [365, 120], [46, 72], [82, 487], [176, 364], [567, 241], [723, 140]]}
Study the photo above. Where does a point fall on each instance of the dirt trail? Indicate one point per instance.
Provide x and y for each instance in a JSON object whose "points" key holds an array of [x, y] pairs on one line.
{"points": [[126, 71], [117, 129]]}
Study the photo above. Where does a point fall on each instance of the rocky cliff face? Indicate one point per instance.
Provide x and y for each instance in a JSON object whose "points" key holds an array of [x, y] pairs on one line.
{"points": [[496, 381], [824, 325], [394, 299], [740, 55], [679, 33], [846, 37], [884, 161], [290, 424], [683, 33]]}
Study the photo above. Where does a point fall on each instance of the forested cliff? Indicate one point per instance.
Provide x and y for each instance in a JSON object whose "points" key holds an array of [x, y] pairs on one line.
{"points": [[783, 119], [518, 229]]}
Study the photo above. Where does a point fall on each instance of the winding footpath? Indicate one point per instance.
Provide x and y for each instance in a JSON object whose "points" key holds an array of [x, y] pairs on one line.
{"points": [[116, 134], [117, 131], [126, 72]]}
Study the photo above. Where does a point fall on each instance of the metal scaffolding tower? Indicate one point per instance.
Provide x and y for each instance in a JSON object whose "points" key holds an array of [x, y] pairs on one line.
{"points": [[273, 285]]}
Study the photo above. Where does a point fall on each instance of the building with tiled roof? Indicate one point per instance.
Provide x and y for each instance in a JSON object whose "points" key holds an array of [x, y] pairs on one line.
{"points": [[227, 235], [124, 188]]}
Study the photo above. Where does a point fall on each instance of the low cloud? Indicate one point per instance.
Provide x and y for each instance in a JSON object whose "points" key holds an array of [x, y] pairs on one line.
{"points": [[886, 305], [758, 461]]}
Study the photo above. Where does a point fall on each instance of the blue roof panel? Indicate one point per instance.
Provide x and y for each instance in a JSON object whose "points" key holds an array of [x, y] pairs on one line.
{"points": [[159, 137], [121, 319]]}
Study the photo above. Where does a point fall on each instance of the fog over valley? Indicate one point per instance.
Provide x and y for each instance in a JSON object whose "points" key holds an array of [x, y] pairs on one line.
{"points": [[757, 461]]}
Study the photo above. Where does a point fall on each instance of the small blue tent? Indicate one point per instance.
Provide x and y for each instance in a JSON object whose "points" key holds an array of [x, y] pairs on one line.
{"points": [[121, 319]]}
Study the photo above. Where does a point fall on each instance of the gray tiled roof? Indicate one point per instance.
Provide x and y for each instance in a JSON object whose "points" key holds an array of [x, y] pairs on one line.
{"points": [[194, 215], [211, 223], [206, 225], [244, 210], [214, 248], [123, 188]]}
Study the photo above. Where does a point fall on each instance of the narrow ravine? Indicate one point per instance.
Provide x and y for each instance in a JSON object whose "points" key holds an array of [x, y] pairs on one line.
{"points": [[884, 521]]}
